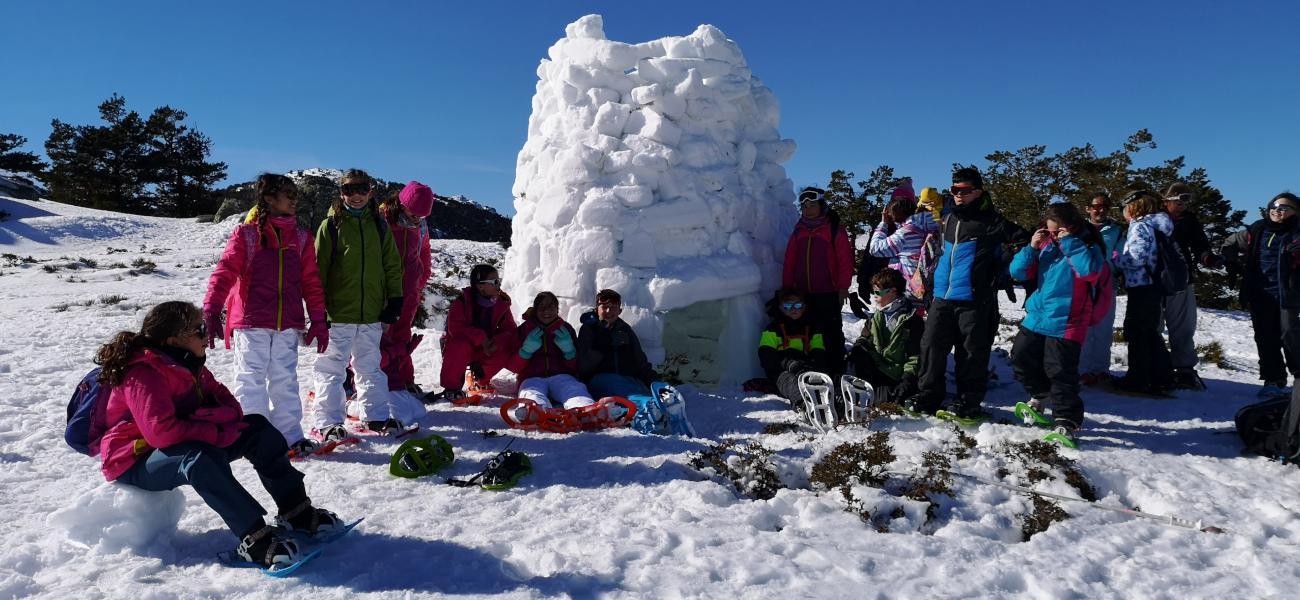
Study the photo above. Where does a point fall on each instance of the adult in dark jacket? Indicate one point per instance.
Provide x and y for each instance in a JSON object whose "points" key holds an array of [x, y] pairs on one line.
{"points": [[790, 345], [963, 312], [1267, 254], [610, 359], [819, 262], [1180, 309]]}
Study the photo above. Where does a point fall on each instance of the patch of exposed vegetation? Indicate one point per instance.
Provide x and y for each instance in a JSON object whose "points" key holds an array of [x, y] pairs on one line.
{"points": [[746, 466]]}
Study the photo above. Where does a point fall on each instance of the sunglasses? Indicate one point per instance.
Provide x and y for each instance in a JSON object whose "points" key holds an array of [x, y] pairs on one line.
{"points": [[495, 282], [962, 191], [1098, 206], [1180, 198], [881, 292], [792, 305], [1281, 208], [350, 189], [201, 331], [292, 193]]}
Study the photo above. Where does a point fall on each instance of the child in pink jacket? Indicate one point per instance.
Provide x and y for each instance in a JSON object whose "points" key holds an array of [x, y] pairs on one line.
{"points": [[406, 213], [547, 360], [170, 423], [264, 277]]}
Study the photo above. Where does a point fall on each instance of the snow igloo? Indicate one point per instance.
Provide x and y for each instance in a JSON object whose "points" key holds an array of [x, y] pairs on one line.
{"points": [[654, 169]]}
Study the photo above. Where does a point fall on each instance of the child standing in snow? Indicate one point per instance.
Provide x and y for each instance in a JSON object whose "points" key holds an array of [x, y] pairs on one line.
{"points": [[361, 273], [170, 423], [1149, 368], [481, 335], [888, 353], [790, 345], [405, 213], [1063, 258], [610, 359], [265, 275], [547, 361]]}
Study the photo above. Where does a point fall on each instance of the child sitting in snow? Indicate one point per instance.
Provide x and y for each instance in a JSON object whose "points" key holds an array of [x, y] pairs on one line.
{"points": [[888, 353], [790, 345], [481, 335], [547, 361], [266, 274], [610, 359]]}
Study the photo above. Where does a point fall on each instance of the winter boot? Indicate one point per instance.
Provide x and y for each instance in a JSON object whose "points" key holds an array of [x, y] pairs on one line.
{"points": [[1064, 433], [308, 520], [266, 547], [1274, 389], [303, 447], [1188, 379]]}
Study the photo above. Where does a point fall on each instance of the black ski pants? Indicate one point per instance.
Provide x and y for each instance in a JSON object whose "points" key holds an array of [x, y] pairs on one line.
{"points": [[1277, 338], [826, 311], [1148, 358], [1048, 367], [966, 327]]}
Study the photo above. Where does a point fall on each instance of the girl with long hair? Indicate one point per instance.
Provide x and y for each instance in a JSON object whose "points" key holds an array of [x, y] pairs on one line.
{"points": [[547, 359]]}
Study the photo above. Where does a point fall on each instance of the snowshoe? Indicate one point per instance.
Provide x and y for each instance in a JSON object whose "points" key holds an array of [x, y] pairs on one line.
{"points": [[505, 471], [1273, 389], [276, 555], [420, 457], [609, 412], [312, 448], [309, 522], [1031, 413], [649, 417], [1064, 435], [674, 407], [965, 418], [858, 396], [816, 389], [478, 388]]}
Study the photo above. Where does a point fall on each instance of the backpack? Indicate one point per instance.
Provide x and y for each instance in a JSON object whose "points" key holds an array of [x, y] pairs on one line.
{"points": [[1272, 428], [1101, 292], [1170, 274], [86, 412], [921, 284]]}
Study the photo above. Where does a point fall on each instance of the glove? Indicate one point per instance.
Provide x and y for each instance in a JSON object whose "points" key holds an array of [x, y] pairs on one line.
{"points": [[564, 342], [212, 322], [228, 433], [392, 310], [220, 415], [319, 332], [1011, 293], [794, 365], [415, 341], [858, 307], [532, 343], [618, 338]]}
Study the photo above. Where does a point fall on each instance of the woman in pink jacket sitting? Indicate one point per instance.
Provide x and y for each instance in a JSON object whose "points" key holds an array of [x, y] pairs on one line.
{"points": [[264, 277], [170, 423], [405, 214]]}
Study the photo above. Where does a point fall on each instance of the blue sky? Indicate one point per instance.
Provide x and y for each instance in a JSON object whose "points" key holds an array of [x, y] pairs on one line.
{"points": [[440, 91]]}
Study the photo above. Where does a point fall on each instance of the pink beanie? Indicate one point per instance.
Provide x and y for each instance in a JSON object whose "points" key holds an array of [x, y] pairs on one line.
{"points": [[904, 190], [417, 198]]}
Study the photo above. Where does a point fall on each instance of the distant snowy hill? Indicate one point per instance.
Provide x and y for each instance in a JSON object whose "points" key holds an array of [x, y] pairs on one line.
{"points": [[615, 513]]}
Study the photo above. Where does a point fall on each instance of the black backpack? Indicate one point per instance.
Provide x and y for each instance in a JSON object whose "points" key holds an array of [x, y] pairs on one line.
{"points": [[1170, 274], [1272, 428]]}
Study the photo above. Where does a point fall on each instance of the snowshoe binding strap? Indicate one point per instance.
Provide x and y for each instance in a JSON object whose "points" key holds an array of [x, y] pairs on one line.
{"points": [[420, 457], [858, 396], [607, 413], [504, 471]]}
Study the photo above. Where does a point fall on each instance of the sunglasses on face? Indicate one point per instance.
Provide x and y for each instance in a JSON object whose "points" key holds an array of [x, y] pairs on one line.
{"points": [[1179, 199], [201, 331], [290, 192], [494, 282], [881, 292], [962, 191], [1098, 207], [350, 189], [1281, 208], [792, 305]]}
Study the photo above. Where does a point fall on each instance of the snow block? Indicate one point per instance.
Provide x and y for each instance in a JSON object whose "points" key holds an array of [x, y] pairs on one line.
{"points": [[113, 517]]}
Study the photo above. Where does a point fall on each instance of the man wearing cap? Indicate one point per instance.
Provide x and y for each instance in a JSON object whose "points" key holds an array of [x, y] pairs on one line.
{"points": [[962, 312], [1180, 309], [819, 263]]}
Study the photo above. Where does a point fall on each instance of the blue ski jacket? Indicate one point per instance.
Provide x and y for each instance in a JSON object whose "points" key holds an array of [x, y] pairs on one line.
{"points": [[1064, 269]]}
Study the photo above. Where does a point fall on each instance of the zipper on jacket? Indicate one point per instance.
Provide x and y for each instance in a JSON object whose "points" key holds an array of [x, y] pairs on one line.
{"points": [[807, 259], [279, 283], [362, 310], [956, 237]]}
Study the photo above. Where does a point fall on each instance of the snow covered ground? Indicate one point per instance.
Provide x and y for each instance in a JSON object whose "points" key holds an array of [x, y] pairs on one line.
{"points": [[614, 513]]}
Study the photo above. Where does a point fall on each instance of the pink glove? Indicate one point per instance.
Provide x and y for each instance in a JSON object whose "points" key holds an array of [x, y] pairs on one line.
{"points": [[220, 415], [319, 333], [212, 322]]}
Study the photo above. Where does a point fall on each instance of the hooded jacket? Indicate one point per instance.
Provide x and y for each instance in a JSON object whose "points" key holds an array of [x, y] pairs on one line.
{"points": [[818, 259], [893, 339], [1138, 257], [1261, 248], [1064, 270], [264, 277], [547, 360], [361, 269], [464, 316], [416, 257], [159, 404]]}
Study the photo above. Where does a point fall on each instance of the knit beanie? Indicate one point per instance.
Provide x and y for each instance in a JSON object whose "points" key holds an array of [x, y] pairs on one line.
{"points": [[932, 201], [417, 198], [904, 190]]}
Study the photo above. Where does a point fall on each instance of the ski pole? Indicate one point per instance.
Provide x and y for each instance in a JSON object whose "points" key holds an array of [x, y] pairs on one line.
{"points": [[1169, 520]]}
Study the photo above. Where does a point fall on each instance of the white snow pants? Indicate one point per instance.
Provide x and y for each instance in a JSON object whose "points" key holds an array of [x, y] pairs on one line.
{"points": [[266, 378], [360, 343], [566, 389]]}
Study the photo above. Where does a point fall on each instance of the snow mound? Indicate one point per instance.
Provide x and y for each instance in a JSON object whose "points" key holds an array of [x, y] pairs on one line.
{"points": [[654, 169], [114, 517]]}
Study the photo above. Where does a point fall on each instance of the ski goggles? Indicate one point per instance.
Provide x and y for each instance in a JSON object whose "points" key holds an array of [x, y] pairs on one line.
{"points": [[350, 189], [792, 305], [1179, 198], [881, 292], [493, 282], [1135, 196], [807, 196]]}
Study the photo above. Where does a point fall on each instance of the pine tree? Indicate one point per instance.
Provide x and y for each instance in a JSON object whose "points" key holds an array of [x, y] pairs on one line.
{"points": [[15, 161]]}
